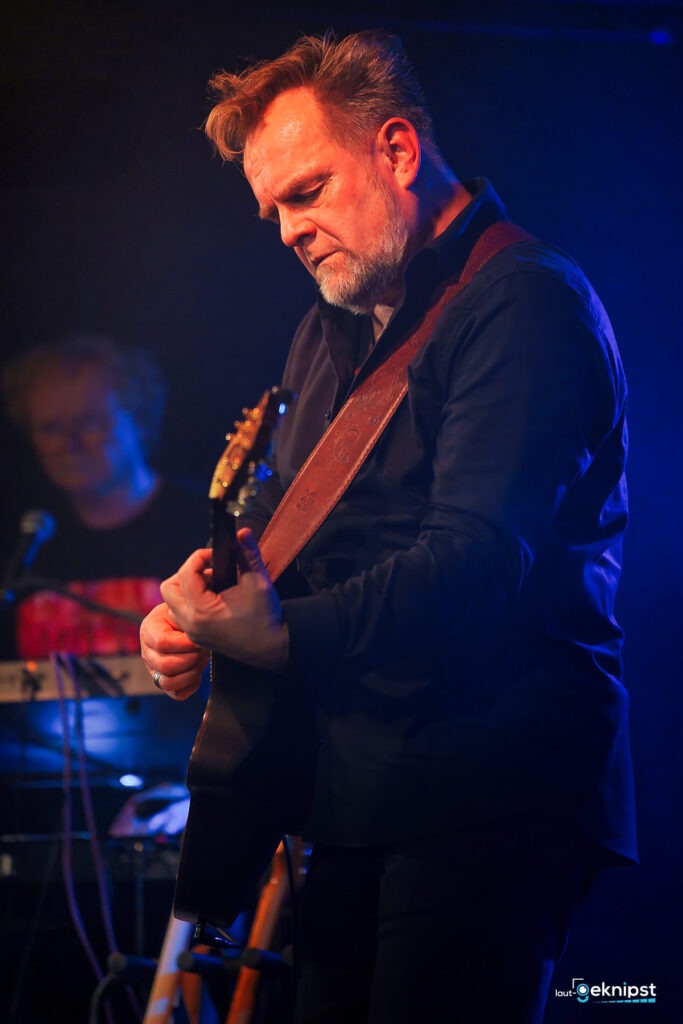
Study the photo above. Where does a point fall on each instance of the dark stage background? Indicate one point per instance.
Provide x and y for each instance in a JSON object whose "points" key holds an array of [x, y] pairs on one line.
{"points": [[117, 218]]}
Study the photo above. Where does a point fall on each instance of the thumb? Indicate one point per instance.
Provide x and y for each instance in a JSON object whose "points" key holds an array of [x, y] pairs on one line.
{"points": [[250, 555]]}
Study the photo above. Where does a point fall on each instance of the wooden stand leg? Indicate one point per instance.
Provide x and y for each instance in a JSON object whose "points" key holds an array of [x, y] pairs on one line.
{"points": [[166, 985]]}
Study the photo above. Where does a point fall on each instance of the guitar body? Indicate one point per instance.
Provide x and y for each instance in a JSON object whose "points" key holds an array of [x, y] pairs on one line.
{"points": [[250, 779], [251, 768]]}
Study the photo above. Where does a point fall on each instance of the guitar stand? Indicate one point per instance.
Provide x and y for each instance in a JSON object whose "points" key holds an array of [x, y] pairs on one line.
{"points": [[208, 966], [228, 966], [216, 970], [212, 985], [215, 967]]}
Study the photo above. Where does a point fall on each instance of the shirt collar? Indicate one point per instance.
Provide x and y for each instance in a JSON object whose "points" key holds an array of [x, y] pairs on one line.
{"points": [[446, 255]]}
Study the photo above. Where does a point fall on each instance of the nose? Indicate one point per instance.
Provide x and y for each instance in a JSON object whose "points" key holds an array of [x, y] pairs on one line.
{"points": [[295, 228]]}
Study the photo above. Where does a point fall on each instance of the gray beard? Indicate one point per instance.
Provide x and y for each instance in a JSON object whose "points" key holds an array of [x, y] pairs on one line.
{"points": [[364, 280]]}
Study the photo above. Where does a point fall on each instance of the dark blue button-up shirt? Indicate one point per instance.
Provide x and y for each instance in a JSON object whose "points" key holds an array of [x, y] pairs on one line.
{"points": [[457, 627]]}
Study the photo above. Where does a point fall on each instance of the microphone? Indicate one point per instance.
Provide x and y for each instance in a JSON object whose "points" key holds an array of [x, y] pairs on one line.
{"points": [[35, 527]]}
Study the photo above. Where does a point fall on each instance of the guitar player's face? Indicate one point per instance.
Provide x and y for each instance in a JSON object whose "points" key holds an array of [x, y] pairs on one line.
{"points": [[338, 208], [85, 441]]}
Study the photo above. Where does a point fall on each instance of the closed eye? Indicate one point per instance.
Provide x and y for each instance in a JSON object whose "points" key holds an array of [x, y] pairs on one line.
{"points": [[303, 198], [296, 198]]}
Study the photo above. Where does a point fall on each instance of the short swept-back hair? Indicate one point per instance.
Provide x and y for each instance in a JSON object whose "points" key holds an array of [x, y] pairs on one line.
{"points": [[364, 78], [135, 376]]}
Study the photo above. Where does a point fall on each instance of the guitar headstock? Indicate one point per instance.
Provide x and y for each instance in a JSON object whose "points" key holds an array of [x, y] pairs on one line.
{"points": [[242, 466]]}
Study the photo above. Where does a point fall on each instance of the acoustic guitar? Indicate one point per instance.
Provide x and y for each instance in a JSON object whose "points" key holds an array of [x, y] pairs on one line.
{"points": [[248, 774]]}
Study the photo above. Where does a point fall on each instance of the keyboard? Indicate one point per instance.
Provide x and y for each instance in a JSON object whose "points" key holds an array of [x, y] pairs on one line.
{"points": [[124, 676]]}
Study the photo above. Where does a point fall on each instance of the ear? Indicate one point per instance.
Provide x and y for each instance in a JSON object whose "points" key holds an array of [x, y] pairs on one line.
{"points": [[400, 144]]}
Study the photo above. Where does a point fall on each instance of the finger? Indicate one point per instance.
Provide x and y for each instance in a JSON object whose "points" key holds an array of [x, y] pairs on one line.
{"points": [[193, 577], [178, 687], [198, 561], [175, 666], [169, 589], [160, 635], [185, 692], [175, 642], [175, 602], [176, 670], [251, 560]]}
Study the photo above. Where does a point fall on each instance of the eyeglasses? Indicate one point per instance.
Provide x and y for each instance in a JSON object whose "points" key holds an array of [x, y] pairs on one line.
{"points": [[90, 429]]}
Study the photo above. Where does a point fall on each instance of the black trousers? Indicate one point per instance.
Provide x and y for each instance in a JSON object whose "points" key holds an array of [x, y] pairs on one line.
{"points": [[459, 929]]}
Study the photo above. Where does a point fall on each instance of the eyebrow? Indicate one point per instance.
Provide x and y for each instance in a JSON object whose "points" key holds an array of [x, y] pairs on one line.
{"points": [[267, 213], [294, 188]]}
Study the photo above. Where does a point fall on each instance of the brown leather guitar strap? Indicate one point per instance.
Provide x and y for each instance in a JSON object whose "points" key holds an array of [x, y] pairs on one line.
{"points": [[358, 425]]}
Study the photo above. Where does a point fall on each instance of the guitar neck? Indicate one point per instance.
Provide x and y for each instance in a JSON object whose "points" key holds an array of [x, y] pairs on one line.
{"points": [[224, 542], [227, 844]]}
